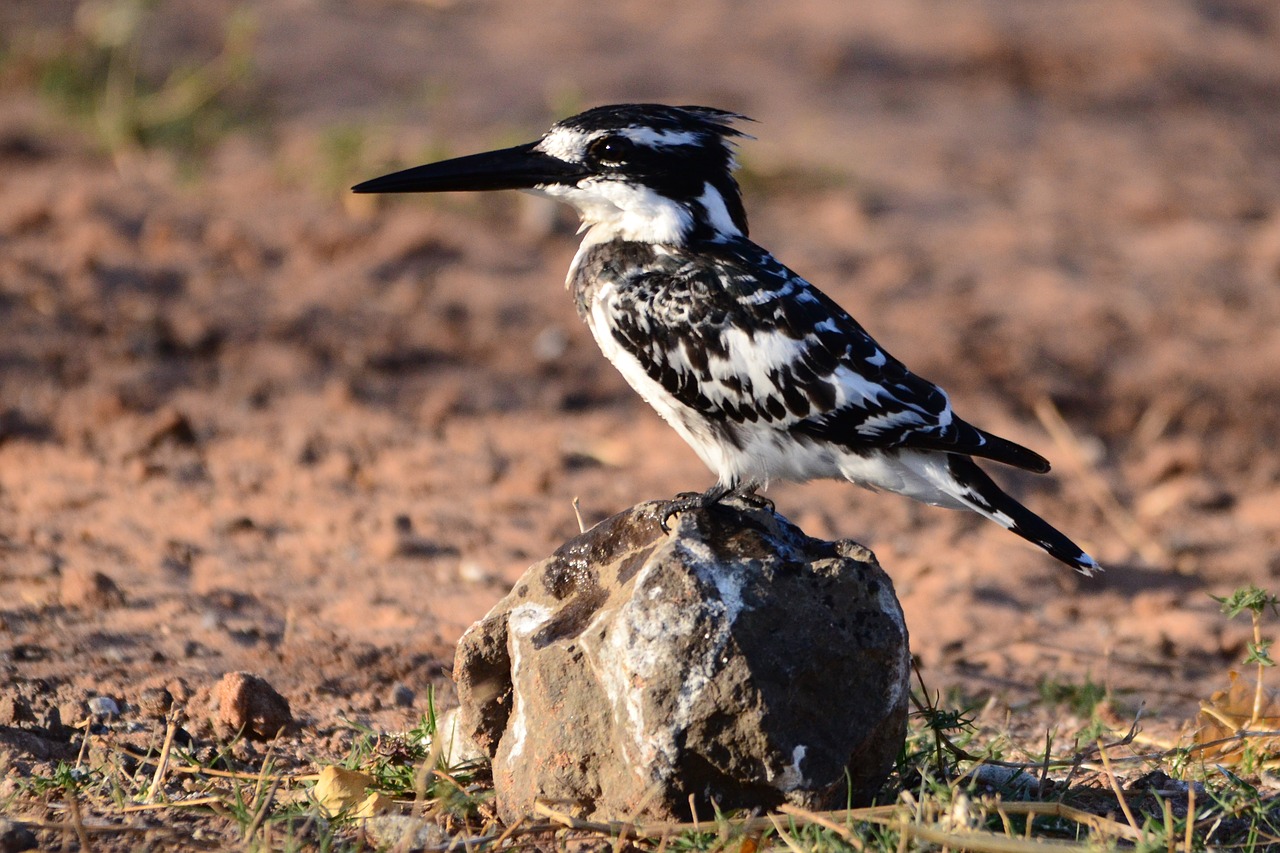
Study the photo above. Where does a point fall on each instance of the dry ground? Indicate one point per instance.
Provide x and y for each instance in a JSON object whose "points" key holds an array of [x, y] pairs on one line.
{"points": [[313, 437]]}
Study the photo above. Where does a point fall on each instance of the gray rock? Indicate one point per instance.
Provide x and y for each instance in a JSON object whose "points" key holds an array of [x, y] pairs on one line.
{"points": [[456, 748], [15, 837], [401, 696], [736, 660], [403, 832]]}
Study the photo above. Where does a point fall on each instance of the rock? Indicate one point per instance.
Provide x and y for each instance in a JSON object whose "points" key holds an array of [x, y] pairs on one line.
{"points": [[456, 748], [103, 706], [81, 588], [736, 660], [14, 709], [15, 837], [403, 832], [155, 702], [248, 703], [401, 696]]}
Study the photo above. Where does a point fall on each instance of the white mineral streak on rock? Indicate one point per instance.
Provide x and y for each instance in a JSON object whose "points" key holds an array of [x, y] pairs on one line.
{"points": [[605, 663], [792, 777], [644, 644], [728, 580], [521, 622], [635, 651], [889, 605]]}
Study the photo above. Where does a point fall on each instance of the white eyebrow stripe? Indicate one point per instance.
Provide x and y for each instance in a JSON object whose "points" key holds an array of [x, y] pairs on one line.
{"points": [[570, 144], [566, 144]]}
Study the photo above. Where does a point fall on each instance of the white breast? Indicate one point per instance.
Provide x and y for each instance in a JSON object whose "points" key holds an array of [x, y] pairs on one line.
{"points": [[765, 454]]}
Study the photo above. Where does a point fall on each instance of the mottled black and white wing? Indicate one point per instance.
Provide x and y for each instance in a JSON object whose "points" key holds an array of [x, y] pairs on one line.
{"points": [[738, 337]]}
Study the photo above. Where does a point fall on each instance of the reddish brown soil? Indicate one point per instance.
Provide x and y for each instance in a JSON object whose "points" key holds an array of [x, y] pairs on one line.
{"points": [[315, 438]]}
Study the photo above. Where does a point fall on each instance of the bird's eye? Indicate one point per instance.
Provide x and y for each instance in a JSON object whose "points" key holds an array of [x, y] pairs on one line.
{"points": [[611, 150]]}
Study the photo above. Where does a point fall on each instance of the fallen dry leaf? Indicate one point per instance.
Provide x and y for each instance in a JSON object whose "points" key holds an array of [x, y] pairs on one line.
{"points": [[339, 789], [373, 805], [1239, 708]]}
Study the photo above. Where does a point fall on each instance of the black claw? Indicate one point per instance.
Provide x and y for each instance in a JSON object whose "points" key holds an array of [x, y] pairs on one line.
{"points": [[686, 501], [683, 502], [755, 501]]}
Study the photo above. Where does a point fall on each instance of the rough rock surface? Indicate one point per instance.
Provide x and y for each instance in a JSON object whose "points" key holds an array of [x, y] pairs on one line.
{"points": [[734, 659]]}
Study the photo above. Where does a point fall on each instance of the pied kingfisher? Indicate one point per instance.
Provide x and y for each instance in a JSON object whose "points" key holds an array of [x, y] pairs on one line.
{"points": [[759, 371]]}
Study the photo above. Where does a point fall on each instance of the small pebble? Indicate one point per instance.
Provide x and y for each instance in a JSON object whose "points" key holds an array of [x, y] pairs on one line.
{"points": [[550, 344], [401, 696], [403, 832]]}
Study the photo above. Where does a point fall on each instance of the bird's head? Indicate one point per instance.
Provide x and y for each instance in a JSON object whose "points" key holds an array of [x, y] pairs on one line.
{"points": [[644, 172]]}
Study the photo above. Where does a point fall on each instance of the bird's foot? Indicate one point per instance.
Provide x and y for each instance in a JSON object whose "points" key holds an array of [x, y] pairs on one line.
{"points": [[753, 500], [686, 501]]}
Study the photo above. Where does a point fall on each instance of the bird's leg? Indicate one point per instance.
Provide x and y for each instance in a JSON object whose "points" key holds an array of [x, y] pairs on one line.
{"points": [[686, 501]]}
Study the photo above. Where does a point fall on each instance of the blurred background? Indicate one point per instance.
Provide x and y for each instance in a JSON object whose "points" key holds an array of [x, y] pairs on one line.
{"points": [[248, 419]]}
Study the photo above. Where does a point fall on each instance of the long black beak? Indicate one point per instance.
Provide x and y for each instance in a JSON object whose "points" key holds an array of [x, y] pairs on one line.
{"points": [[518, 168]]}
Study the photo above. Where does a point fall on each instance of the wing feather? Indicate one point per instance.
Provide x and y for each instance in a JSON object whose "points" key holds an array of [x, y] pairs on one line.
{"points": [[735, 335]]}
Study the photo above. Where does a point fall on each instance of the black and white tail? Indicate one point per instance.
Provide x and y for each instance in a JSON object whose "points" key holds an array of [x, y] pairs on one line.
{"points": [[986, 498]]}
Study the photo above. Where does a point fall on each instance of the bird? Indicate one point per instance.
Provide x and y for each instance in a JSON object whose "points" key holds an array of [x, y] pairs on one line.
{"points": [[760, 372]]}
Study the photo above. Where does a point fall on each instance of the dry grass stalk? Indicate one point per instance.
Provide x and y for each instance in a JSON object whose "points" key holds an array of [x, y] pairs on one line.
{"points": [[782, 833], [77, 823], [1115, 787], [895, 817], [1191, 818], [173, 804], [823, 821], [263, 810], [162, 765], [1095, 823], [987, 842], [199, 770]]}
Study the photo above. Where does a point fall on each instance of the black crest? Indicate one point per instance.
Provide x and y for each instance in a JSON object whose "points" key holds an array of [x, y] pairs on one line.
{"points": [[659, 117]]}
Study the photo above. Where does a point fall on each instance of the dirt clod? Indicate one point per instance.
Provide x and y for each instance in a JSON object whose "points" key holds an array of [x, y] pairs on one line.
{"points": [[88, 589], [155, 702], [13, 710], [248, 703]]}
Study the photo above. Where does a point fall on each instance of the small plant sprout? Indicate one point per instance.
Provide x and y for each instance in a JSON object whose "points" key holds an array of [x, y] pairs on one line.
{"points": [[1255, 601]]}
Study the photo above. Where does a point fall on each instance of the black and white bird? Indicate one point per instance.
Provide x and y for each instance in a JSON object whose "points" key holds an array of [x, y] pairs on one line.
{"points": [[760, 372]]}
